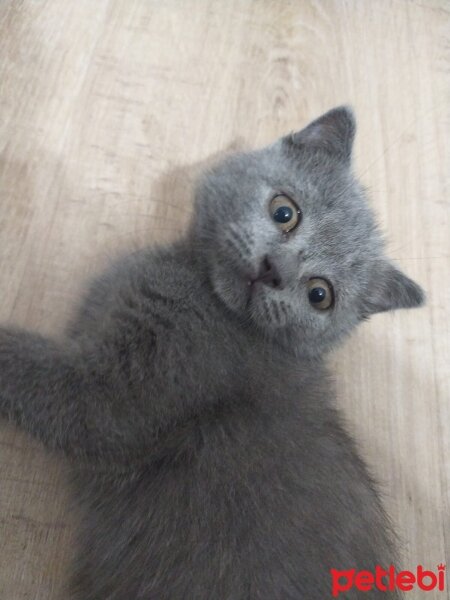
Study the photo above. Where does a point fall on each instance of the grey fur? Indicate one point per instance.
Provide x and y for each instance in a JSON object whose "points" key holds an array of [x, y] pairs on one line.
{"points": [[208, 460]]}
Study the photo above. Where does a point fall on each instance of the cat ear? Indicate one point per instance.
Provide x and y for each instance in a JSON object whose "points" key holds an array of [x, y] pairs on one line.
{"points": [[333, 132], [391, 289]]}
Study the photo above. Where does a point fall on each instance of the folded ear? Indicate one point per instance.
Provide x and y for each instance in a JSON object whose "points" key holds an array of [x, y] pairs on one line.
{"points": [[333, 132], [391, 289]]}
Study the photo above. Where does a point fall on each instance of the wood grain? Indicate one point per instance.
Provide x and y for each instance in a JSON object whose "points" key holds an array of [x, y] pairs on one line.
{"points": [[104, 108]]}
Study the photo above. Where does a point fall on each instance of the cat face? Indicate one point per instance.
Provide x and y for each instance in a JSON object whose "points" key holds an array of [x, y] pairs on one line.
{"points": [[290, 242]]}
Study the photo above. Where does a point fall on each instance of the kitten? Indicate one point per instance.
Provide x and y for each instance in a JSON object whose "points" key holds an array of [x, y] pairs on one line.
{"points": [[191, 396]]}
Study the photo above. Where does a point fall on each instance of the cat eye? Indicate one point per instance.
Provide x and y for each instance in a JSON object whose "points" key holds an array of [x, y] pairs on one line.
{"points": [[285, 213], [320, 293]]}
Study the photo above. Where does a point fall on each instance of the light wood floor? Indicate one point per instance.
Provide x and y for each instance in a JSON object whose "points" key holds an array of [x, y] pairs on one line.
{"points": [[105, 105]]}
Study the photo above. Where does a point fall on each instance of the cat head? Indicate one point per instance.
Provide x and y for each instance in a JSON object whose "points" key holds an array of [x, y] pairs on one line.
{"points": [[289, 240]]}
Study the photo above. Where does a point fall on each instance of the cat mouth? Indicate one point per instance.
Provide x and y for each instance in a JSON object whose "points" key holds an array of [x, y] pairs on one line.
{"points": [[253, 286], [267, 276], [250, 292]]}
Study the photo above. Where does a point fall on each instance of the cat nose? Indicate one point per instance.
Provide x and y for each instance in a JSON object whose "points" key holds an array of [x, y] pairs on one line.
{"points": [[269, 274]]}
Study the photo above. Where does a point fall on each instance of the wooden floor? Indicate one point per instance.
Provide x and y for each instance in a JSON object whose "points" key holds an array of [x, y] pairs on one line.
{"points": [[107, 108]]}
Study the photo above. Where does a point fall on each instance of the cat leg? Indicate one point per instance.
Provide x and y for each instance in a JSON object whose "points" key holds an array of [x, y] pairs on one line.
{"points": [[65, 396]]}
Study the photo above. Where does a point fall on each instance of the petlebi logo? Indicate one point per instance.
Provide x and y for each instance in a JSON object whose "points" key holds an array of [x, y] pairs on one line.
{"points": [[387, 580]]}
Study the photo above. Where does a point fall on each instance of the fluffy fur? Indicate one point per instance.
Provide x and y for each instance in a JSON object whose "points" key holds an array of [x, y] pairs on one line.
{"points": [[192, 399]]}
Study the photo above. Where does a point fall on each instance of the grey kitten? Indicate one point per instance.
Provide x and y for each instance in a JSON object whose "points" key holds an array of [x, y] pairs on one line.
{"points": [[191, 397]]}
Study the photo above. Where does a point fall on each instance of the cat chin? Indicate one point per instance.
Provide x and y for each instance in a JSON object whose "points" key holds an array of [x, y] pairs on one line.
{"points": [[251, 302]]}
